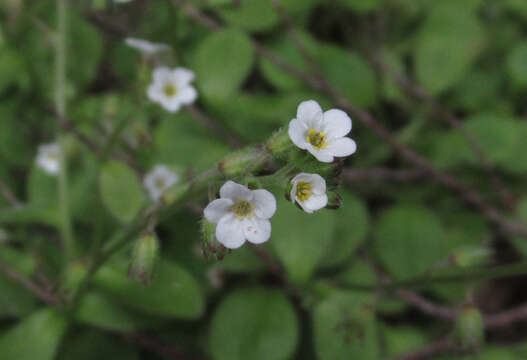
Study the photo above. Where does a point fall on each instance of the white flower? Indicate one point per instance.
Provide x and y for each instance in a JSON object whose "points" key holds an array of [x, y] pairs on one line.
{"points": [[145, 46], [322, 134], [171, 88], [48, 158], [241, 214], [309, 191], [158, 180]]}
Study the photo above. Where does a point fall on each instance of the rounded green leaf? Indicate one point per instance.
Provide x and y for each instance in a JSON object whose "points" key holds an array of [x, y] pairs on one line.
{"points": [[256, 324], [222, 62], [517, 65], [299, 239], [409, 240], [120, 190], [37, 337], [251, 15], [89, 345], [173, 293]]}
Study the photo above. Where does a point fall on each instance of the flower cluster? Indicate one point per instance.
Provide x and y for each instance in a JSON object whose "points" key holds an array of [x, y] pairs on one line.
{"points": [[241, 214]]}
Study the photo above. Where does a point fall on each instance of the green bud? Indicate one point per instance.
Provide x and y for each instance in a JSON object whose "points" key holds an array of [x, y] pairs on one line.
{"points": [[469, 327], [144, 258], [241, 161], [279, 143], [209, 244], [471, 255]]}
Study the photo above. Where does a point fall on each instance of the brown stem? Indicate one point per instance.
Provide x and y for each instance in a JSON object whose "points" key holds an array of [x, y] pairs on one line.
{"points": [[9, 195]]}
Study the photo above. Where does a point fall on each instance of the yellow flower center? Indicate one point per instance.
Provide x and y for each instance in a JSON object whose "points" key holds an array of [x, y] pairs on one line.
{"points": [[242, 209], [170, 90], [160, 183], [317, 139], [303, 191]]}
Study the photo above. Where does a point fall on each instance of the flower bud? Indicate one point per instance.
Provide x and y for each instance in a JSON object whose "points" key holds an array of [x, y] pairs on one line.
{"points": [[144, 258], [469, 327], [470, 256], [241, 161], [209, 244], [279, 143]]}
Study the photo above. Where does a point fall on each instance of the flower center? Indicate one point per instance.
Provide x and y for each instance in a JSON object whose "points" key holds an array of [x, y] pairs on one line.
{"points": [[303, 191], [170, 90], [242, 209], [160, 183], [317, 139], [52, 156]]}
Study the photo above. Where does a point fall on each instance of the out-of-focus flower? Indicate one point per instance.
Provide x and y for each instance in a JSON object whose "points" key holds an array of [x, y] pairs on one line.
{"points": [[145, 46], [48, 158], [323, 134], [158, 180], [171, 88], [241, 214], [309, 191]]}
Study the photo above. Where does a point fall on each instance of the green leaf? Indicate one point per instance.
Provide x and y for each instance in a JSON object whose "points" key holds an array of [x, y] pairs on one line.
{"points": [[120, 190], [222, 62], [448, 43], [351, 229], [89, 345], [409, 240], [298, 239], [174, 293], [99, 311], [402, 339], [517, 65], [37, 337], [348, 73], [15, 301], [256, 324], [363, 6], [251, 15], [344, 324]]}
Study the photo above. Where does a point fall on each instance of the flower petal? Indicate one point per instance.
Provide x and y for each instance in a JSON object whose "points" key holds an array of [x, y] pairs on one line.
{"points": [[229, 232], [234, 191], [187, 95], [170, 104], [318, 184], [216, 209], [264, 204], [182, 76], [257, 231], [341, 147], [321, 155], [297, 133], [155, 92], [161, 74], [310, 113], [315, 202], [336, 123]]}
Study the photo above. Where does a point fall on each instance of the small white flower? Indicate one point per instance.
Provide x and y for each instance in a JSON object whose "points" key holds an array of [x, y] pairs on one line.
{"points": [[145, 46], [241, 214], [322, 134], [158, 180], [309, 191], [48, 158], [171, 88]]}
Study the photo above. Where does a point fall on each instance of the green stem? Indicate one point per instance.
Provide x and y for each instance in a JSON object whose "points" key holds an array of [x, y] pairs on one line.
{"points": [[60, 104]]}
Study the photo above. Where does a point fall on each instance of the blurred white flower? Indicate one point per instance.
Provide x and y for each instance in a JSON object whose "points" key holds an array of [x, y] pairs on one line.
{"points": [[171, 88], [241, 214], [309, 191], [145, 46], [158, 180], [48, 158], [322, 134]]}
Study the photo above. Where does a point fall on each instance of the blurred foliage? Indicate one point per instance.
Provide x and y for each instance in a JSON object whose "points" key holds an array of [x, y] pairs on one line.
{"points": [[469, 54]]}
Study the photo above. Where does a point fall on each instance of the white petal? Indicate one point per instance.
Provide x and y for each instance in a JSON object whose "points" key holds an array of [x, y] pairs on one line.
{"points": [[234, 191], [336, 123], [161, 74], [171, 104], [341, 147], [297, 133], [257, 231], [216, 209], [310, 113], [187, 95], [321, 155], [264, 204], [292, 194], [155, 92], [229, 232], [318, 184], [182, 76], [315, 202]]}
